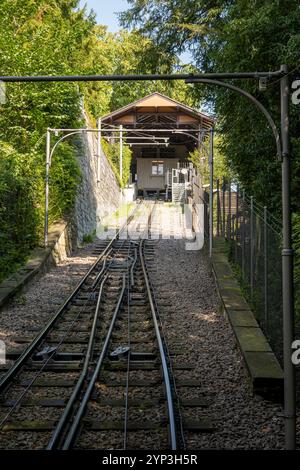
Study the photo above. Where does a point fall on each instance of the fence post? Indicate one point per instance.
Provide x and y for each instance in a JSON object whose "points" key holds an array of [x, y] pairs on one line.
{"points": [[236, 222], [229, 210], [251, 246], [223, 207], [244, 232], [218, 207], [266, 268]]}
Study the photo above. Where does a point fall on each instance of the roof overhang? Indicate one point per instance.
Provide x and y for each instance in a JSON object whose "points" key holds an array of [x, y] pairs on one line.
{"points": [[165, 109]]}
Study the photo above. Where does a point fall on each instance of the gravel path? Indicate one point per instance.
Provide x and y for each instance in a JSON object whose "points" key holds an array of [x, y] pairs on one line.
{"points": [[194, 323]]}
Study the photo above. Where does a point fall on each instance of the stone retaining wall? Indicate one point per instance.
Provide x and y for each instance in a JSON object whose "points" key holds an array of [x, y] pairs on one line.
{"points": [[95, 199], [41, 259], [265, 373]]}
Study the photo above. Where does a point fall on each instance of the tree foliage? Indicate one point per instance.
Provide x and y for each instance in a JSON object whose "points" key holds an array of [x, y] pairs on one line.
{"points": [[46, 37], [237, 36], [112, 151], [200, 159], [125, 53], [53, 37], [234, 35]]}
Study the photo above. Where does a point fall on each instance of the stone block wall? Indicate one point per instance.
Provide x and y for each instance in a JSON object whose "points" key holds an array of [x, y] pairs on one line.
{"points": [[95, 199]]}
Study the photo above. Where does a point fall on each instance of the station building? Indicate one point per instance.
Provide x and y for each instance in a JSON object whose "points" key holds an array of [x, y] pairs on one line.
{"points": [[162, 132]]}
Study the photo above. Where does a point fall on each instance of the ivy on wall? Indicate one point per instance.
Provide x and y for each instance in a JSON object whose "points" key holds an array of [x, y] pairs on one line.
{"points": [[112, 152]]}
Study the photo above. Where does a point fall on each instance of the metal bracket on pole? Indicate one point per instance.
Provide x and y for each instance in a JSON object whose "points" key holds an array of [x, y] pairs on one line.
{"points": [[287, 252], [257, 103]]}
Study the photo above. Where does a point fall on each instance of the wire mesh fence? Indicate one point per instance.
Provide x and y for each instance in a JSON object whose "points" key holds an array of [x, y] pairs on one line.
{"points": [[255, 249]]}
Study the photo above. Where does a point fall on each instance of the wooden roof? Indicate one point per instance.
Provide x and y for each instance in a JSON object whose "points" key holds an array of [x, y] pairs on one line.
{"points": [[167, 110]]}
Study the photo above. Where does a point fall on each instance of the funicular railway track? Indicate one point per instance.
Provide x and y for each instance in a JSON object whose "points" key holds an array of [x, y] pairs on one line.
{"points": [[99, 374]]}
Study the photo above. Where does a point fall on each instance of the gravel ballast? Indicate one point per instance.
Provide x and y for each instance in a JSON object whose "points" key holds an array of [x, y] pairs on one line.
{"points": [[206, 340], [28, 313], [197, 333]]}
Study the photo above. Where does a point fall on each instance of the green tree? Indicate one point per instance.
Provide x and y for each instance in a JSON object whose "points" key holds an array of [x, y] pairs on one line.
{"points": [[56, 37], [228, 36], [200, 160], [37, 37], [237, 36]]}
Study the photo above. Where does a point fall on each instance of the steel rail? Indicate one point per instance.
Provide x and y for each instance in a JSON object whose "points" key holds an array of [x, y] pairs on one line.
{"points": [[71, 435], [79, 384], [61, 426], [96, 280], [180, 439], [172, 423], [130, 282], [132, 268], [11, 373], [51, 356], [130, 285]]}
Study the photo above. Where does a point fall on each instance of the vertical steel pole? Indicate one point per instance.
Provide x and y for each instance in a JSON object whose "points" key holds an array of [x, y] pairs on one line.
{"points": [[287, 272], [99, 150], [48, 149], [121, 153], [251, 247], [266, 268], [237, 223], [229, 210], [218, 207], [199, 143], [244, 235], [223, 207], [211, 190]]}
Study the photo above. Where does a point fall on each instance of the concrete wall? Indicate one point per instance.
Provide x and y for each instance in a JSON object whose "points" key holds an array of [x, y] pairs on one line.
{"points": [[95, 199]]}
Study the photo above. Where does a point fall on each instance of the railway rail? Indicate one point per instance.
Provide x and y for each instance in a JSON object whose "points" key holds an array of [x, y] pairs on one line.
{"points": [[100, 374]]}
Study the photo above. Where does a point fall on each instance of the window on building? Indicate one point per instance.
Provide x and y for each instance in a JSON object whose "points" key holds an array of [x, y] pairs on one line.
{"points": [[157, 168]]}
